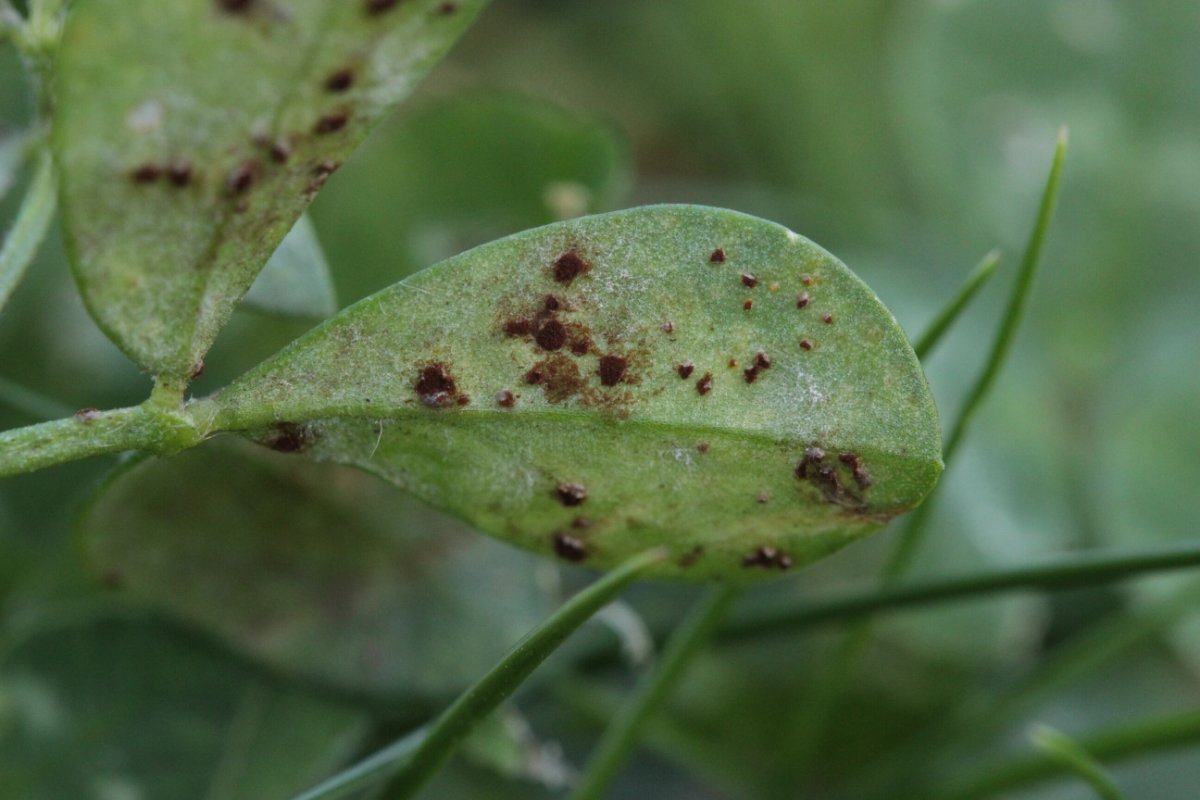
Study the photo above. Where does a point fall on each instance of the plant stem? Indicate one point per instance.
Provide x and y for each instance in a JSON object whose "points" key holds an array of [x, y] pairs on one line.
{"points": [[431, 749], [623, 732], [1163, 733], [952, 310], [22, 242], [1069, 755], [1068, 572]]}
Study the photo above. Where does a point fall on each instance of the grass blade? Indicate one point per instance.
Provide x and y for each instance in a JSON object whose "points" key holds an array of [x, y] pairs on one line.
{"points": [[33, 220], [416, 758], [622, 734], [1071, 756], [952, 310], [30, 403]]}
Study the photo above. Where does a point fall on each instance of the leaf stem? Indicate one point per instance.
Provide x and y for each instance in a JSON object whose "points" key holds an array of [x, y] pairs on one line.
{"points": [[29, 229], [951, 311], [622, 734], [1071, 756], [424, 752]]}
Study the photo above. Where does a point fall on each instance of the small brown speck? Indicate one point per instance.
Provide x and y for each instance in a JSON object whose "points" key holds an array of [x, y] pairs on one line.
{"points": [[685, 369], [534, 376], [762, 498], [197, 369], [827, 319], [569, 266], [703, 447], [580, 347], [288, 437], [612, 369], [375, 7], [86, 415], [551, 303], [767, 557], [733, 363], [506, 399], [802, 300], [762, 360], [749, 280], [518, 327], [705, 384], [235, 6], [180, 172], [242, 177], [668, 327], [341, 80], [447, 8], [569, 548], [464, 399], [570, 494], [805, 344], [435, 386], [690, 558], [581, 523], [718, 256], [749, 304], [281, 151], [807, 280], [331, 123], [750, 374], [551, 336], [146, 173]]}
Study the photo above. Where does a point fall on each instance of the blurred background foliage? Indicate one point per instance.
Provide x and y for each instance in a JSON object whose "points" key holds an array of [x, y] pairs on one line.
{"points": [[906, 136]]}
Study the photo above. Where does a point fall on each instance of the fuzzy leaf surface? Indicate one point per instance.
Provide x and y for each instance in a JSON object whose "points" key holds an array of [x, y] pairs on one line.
{"points": [[535, 387], [190, 136]]}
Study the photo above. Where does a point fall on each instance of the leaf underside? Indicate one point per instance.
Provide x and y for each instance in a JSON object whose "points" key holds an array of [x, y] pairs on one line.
{"points": [[191, 135], [670, 374]]}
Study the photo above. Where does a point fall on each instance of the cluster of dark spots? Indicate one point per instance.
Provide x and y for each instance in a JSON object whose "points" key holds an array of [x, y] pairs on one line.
{"points": [[551, 335], [703, 447], [748, 280], [802, 300], [518, 327], [376, 7], [827, 319], [691, 556], [582, 346], [558, 376], [197, 370], [331, 123], [668, 327], [826, 477], [146, 173], [705, 384], [178, 173], [506, 399], [717, 256], [761, 361], [86, 415], [569, 266], [612, 369], [321, 173], [242, 177], [685, 369], [749, 304], [289, 437], [805, 344], [570, 494], [767, 557], [340, 80], [435, 387], [568, 547], [807, 280]]}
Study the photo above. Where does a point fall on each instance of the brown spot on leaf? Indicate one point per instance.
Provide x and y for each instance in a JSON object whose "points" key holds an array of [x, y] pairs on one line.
{"points": [[235, 6], [506, 399], [535, 376], [762, 360], [518, 327], [570, 494], [705, 384], [376, 7], [807, 280], [767, 557], [805, 344], [289, 437], [612, 369], [861, 478], [668, 327], [551, 303], [197, 370], [691, 556], [762, 498], [242, 177], [828, 480], [281, 150], [703, 447], [749, 304], [447, 8], [581, 523], [86, 415], [569, 548], [717, 256], [749, 280], [340, 80], [146, 173], [685, 369], [750, 374], [180, 172], [569, 266], [435, 386], [552, 335], [827, 319], [331, 123], [558, 376], [802, 300]]}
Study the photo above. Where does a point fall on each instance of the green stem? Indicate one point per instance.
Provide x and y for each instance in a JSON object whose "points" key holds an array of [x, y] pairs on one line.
{"points": [[952, 310], [1071, 756], [1068, 572], [33, 220], [623, 733], [1114, 744], [429, 751]]}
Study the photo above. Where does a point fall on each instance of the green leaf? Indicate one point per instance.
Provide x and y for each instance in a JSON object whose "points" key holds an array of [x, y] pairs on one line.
{"points": [[192, 134], [127, 709], [21, 243], [320, 570], [469, 385], [296, 280]]}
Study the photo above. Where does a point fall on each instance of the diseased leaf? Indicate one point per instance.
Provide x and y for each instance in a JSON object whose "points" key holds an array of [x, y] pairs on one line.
{"points": [[671, 374], [101, 710], [296, 280], [191, 135], [317, 570]]}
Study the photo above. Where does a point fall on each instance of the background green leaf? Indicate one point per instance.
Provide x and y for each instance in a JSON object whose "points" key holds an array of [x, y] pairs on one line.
{"points": [[671, 374], [296, 280], [191, 135], [317, 570]]}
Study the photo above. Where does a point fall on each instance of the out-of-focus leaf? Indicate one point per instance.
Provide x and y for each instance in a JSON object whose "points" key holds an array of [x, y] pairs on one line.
{"points": [[456, 173], [671, 374], [12, 153], [296, 281], [192, 134], [21, 243], [125, 709], [314, 569], [504, 742]]}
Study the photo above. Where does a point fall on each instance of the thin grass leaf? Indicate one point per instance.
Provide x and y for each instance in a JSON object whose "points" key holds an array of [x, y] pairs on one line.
{"points": [[29, 229], [951, 311], [423, 752], [1071, 756], [31, 403]]}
